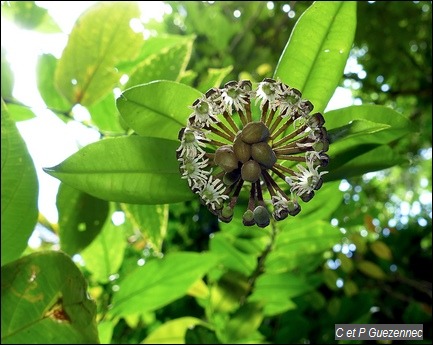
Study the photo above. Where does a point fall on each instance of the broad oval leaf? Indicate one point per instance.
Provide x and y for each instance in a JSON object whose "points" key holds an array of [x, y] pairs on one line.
{"points": [[44, 301], [322, 37], [361, 160], [81, 217], [45, 70], [104, 256], [167, 64], [173, 331], [160, 282], [365, 124], [275, 291], [132, 169], [157, 109], [87, 71], [19, 191], [294, 244]]}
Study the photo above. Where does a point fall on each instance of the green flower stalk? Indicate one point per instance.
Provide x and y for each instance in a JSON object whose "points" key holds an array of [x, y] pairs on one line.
{"points": [[230, 144]]}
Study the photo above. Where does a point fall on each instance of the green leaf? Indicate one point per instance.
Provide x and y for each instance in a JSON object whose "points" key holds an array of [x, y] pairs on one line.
{"points": [[87, 72], [158, 109], [19, 191], [214, 78], [167, 64], [244, 322], [104, 256], [150, 220], [352, 163], [327, 200], [45, 301], [314, 58], [276, 291], [295, 243], [130, 169], [20, 112], [160, 282], [45, 71], [370, 269], [365, 124], [173, 331], [81, 217], [30, 16], [199, 334], [7, 77], [232, 258], [105, 115], [154, 45]]}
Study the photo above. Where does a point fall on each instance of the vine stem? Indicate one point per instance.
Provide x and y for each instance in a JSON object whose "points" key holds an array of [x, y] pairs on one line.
{"points": [[260, 265]]}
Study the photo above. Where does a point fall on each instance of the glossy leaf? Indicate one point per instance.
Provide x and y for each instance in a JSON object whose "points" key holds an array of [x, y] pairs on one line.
{"points": [[81, 217], [44, 301], [276, 291], [87, 72], [126, 169], [355, 162], [150, 220], [160, 282], [104, 256], [322, 37], [297, 242], [365, 124], [167, 64], [19, 191], [45, 71], [173, 331], [20, 112], [157, 109], [7, 77]]}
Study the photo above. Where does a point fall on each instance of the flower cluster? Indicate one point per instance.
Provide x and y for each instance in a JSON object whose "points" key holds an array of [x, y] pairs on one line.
{"points": [[276, 147]]}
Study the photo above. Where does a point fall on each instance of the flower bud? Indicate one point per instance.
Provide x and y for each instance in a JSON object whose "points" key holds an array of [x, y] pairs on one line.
{"points": [[261, 216], [248, 218], [255, 132], [263, 154], [241, 149], [226, 214], [225, 158], [251, 171]]}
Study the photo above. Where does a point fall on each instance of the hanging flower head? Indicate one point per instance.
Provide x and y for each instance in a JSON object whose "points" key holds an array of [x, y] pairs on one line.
{"points": [[274, 149]]}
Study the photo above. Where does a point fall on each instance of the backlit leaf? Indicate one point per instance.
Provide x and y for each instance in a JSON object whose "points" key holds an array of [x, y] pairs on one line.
{"points": [[19, 191], [81, 217], [87, 72], [322, 37], [126, 169], [157, 109]]}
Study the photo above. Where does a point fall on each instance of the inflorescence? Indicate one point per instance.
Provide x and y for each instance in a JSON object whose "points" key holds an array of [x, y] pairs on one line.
{"points": [[280, 151]]}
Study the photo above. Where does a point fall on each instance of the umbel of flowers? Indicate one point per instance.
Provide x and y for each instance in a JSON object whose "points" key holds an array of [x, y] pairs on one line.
{"points": [[263, 139]]}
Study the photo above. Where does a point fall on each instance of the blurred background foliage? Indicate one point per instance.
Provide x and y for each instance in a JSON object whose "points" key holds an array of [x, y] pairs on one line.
{"points": [[378, 271]]}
